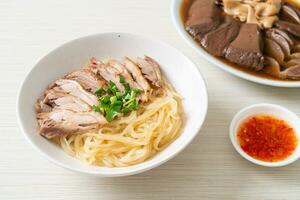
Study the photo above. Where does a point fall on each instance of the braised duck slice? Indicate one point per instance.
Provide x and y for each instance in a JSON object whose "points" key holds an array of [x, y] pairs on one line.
{"points": [[295, 8], [272, 67], [272, 49], [87, 79], [286, 36], [151, 70], [142, 83], [59, 100], [292, 72], [203, 16], [294, 29], [74, 88], [296, 48], [64, 122], [289, 14], [40, 106], [216, 41], [281, 41], [106, 71], [292, 62], [137, 74], [295, 55], [122, 71], [246, 49]]}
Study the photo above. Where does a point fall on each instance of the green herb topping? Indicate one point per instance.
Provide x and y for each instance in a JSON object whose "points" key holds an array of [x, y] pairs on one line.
{"points": [[113, 102]]}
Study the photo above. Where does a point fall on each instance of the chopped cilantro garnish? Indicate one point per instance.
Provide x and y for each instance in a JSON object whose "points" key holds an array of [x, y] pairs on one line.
{"points": [[99, 91], [113, 102]]}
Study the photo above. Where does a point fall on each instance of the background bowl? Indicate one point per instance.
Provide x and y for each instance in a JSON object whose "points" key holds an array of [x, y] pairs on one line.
{"points": [[177, 68], [175, 11]]}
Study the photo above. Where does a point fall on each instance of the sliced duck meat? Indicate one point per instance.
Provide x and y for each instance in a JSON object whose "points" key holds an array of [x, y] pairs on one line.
{"points": [[292, 72], [203, 16], [151, 70], [286, 36], [122, 71], [59, 100], [74, 88], [295, 8], [63, 122], [296, 48], [272, 49], [295, 55], [272, 67], [40, 106], [292, 62], [137, 74], [289, 14], [108, 72], [246, 49], [87, 79], [279, 40], [291, 28], [216, 41], [93, 65]]}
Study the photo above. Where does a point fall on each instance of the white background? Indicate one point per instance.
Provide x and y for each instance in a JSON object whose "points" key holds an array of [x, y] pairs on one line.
{"points": [[209, 168]]}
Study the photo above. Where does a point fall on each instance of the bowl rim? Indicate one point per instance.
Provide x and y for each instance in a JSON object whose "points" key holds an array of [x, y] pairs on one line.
{"points": [[236, 122], [118, 171], [177, 22]]}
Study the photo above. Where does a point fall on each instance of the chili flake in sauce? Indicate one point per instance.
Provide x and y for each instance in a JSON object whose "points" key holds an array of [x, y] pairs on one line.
{"points": [[267, 138]]}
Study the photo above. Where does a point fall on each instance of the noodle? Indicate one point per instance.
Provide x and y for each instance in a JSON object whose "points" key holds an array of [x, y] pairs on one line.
{"points": [[131, 139]]}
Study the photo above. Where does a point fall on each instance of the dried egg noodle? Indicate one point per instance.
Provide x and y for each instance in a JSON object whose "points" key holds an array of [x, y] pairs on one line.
{"points": [[131, 139]]}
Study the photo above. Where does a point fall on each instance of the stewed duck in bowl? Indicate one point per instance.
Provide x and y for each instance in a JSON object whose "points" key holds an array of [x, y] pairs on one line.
{"points": [[258, 40]]}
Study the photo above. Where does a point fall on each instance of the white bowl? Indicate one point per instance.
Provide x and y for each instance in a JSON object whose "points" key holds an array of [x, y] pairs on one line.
{"points": [[175, 11], [265, 109], [178, 69]]}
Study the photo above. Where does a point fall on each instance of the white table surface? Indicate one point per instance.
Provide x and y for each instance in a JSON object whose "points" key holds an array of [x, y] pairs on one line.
{"points": [[209, 168]]}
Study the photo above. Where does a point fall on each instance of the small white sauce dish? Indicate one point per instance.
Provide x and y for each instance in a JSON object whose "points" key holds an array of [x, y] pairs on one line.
{"points": [[265, 109], [180, 71]]}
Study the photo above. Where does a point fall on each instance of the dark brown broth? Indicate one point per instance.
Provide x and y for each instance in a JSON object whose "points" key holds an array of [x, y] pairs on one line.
{"points": [[185, 5]]}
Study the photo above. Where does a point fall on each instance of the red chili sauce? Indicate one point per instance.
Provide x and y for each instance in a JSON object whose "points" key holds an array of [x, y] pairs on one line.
{"points": [[267, 138]]}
